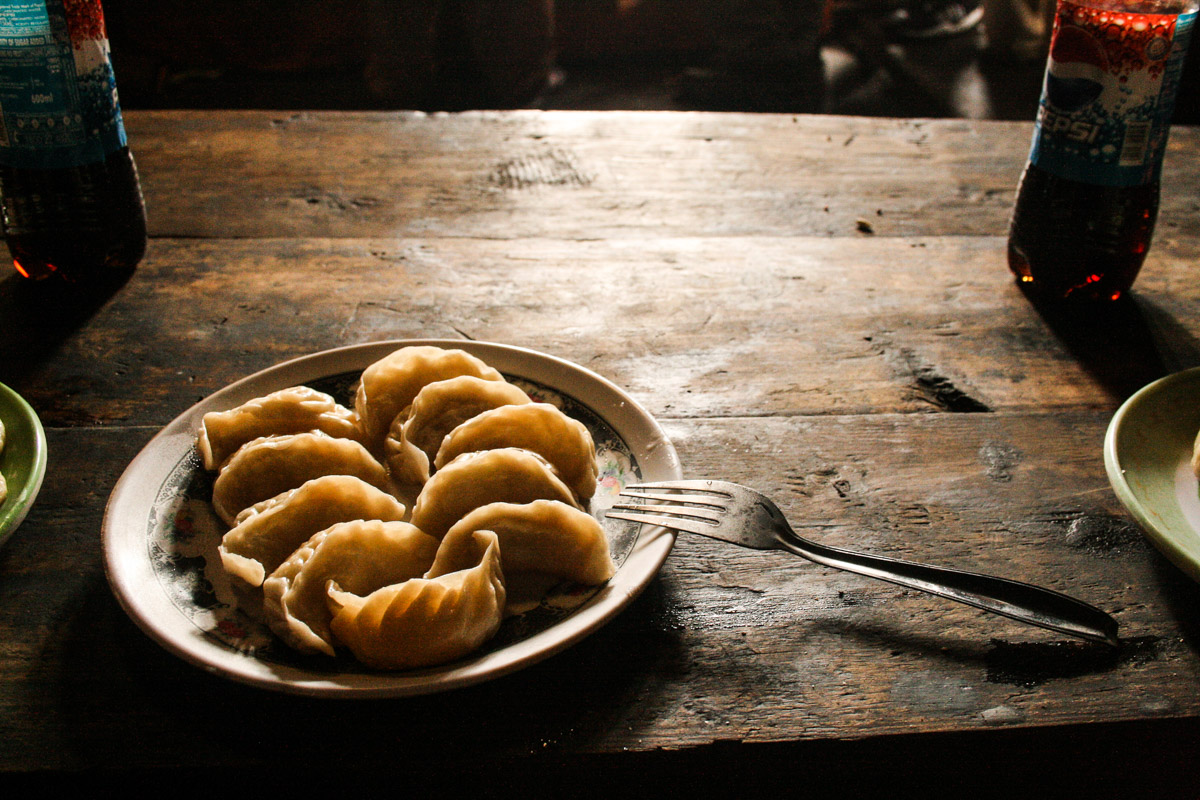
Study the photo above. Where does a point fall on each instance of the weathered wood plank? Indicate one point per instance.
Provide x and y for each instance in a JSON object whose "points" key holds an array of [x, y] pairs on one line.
{"points": [[691, 327], [584, 175], [727, 645], [893, 390]]}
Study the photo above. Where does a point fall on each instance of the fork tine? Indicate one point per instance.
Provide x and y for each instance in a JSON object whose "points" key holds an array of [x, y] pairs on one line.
{"points": [[703, 500], [674, 523], [712, 517], [711, 487]]}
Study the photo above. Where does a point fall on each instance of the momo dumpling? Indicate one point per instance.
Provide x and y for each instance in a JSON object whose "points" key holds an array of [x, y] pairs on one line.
{"points": [[389, 386], [539, 427], [542, 538], [267, 533], [406, 463], [431, 620], [506, 475], [442, 406], [293, 410], [264, 468], [359, 556], [413, 439]]}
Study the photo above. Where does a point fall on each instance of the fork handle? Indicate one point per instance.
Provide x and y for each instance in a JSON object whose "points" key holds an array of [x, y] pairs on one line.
{"points": [[1024, 602]]}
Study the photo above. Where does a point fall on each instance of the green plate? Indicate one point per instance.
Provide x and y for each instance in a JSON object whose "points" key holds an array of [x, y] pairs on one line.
{"points": [[1148, 452], [22, 461]]}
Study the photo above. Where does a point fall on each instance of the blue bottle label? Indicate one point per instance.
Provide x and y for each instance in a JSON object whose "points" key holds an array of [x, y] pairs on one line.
{"points": [[58, 96], [1109, 93]]}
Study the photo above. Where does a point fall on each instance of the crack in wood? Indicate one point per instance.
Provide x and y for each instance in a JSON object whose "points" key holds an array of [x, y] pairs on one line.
{"points": [[337, 201], [941, 392], [932, 387]]}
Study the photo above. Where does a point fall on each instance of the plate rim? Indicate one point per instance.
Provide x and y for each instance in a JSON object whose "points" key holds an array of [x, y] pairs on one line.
{"points": [[21, 501], [1162, 538], [649, 552]]}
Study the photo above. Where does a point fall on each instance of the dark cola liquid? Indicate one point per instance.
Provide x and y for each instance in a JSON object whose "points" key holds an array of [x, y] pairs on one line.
{"points": [[79, 224], [1072, 241]]}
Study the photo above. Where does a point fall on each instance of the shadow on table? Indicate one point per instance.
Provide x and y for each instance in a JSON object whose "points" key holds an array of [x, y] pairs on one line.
{"points": [[39, 315], [1181, 595], [1125, 346], [131, 705]]}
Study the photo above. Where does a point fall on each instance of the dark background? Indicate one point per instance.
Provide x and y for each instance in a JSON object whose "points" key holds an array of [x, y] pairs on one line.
{"points": [[791, 56]]}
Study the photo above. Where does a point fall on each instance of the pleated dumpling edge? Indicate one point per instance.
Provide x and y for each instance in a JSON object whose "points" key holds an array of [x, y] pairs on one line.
{"points": [[426, 621]]}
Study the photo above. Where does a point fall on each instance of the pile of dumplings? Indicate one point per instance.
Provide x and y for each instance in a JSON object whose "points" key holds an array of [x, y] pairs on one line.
{"points": [[404, 529]]}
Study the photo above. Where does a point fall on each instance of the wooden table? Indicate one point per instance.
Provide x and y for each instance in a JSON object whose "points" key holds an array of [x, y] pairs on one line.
{"points": [[817, 307]]}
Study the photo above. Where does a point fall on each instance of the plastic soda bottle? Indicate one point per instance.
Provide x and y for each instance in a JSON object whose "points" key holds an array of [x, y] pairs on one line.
{"points": [[1088, 199], [72, 204]]}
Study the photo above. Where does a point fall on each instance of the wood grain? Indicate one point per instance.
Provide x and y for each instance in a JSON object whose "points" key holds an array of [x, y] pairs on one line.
{"points": [[589, 175], [727, 645], [692, 327], [892, 389]]}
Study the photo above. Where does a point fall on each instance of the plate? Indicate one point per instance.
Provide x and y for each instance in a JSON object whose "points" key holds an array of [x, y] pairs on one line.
{"points": [[1147, 454], [22, 461], [160, 534]]}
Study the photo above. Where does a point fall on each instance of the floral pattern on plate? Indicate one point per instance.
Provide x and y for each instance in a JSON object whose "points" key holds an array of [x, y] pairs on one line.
{"points": [[183, 534]]}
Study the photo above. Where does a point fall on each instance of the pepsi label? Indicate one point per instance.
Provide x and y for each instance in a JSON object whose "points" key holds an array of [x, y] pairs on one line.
{"points": [[1109, 93], [58, 96]]}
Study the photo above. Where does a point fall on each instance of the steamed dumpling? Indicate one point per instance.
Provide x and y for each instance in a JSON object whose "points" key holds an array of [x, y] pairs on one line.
{"points": [[431, 620], [508, 475], [268, 533], [442, 406], [293, 410], [360, 556], [406, 463], [542, 538], [539, 427], [265, 467], [315, 495], [389, 386], [414, 438]]}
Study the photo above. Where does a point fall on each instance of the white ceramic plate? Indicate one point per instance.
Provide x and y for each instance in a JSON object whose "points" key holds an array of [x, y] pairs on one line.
{"points": [[22, 459], [161, 535], [1147, 454]]}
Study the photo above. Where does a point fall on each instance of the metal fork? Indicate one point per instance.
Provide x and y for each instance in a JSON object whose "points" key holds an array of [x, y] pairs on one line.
{"points": [[733, 513]]}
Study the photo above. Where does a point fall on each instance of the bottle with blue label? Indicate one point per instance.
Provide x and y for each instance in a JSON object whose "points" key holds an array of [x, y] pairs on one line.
{"points": [[72, 204], [1088, 199]]}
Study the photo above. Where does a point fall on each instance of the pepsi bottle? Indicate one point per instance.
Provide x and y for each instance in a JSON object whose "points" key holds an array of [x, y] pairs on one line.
{"points": [[71, 200], [1088, 199]]}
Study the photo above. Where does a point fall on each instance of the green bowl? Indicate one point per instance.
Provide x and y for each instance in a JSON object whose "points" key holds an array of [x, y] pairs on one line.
{"points": [[1147, 454], [22, 461]]}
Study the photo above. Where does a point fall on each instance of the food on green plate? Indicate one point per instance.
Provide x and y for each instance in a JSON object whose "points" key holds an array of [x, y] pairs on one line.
{"points": [[1196, 456]]}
